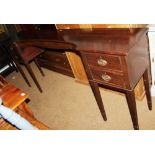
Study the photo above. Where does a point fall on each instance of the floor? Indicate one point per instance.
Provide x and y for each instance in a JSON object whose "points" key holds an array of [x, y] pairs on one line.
{"points": [[68, 105]]}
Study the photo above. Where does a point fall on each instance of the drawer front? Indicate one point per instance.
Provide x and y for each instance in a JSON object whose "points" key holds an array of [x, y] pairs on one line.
{"points": [[57, 68], [56, 58], [108, 78], [104, 61]]}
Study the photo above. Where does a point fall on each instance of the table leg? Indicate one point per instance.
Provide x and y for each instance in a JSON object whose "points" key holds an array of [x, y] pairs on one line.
{"points": [[130, 96], [147, 89], [98, 98]]}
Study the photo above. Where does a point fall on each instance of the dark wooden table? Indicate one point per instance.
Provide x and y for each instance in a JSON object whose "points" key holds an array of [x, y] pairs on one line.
{"points": [[113, 58]]}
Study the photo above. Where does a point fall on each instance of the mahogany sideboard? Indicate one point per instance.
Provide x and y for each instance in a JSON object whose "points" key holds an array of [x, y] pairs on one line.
{"points": [[69, 63], [75, 60], [116, 59]]}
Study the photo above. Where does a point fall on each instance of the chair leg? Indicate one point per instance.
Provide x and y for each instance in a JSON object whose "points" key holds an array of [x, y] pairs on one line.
{"points": [[33, 76], [130, 96], [40, 69], [147, 89], [23, 74], [15, 67], [26, 109]]}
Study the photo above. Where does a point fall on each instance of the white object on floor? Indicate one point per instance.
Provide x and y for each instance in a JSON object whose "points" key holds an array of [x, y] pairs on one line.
{"points": [[15, 118]]}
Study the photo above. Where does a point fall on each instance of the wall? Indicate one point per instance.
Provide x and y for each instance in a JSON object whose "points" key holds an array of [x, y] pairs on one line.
{"points": [[151, 35]]}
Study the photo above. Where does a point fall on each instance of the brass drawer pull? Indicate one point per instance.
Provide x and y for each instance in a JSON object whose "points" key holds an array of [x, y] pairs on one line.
{"points": [[102, 62], [106, 77]]}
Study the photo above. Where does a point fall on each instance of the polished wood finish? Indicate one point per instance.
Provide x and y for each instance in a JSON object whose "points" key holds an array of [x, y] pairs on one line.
{"points": [[95, 89], [127, 53], [14, 98], [81, 77], [91, 26], [130, 26], [104, 61], [22, 73], [26, 51], [128, 48], [140, 90], [147, 88], [76, 63], [25, 108], [29, 69], [108, 78], [51, 59], [107, 41], [47, 44], [57, 61], [37, 64], [67, 26], [56, 57], [47, 31], [130, 96], [74, 59], [25, 54], [77, 67]]}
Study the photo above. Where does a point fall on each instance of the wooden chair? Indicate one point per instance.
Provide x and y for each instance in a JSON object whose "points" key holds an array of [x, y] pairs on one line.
{"points": [[24, 54], [26, 51], [5, 125], [15, 99]]}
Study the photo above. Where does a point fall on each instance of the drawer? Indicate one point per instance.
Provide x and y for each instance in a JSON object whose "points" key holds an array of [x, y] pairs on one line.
{"points": [[56, 68], [104, 61], [108, 78], [57, 58]]}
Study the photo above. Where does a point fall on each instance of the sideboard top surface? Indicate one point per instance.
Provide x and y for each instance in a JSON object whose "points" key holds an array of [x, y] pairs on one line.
{"points": [[111, 41]]}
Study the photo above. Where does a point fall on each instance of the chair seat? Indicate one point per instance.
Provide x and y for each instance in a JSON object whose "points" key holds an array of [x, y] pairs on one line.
{"points": [[29, 53]]}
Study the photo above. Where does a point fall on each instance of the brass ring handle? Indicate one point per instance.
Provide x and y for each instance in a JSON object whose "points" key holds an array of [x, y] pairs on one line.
{"points": [[106, 77], [102, 62]]}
